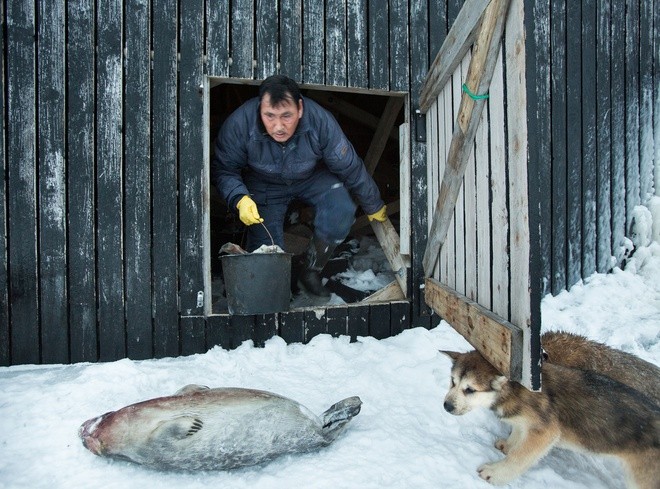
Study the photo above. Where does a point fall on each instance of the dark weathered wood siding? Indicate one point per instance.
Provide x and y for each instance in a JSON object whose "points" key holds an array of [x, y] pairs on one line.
{"points": [[593, 97], [103, 140]]}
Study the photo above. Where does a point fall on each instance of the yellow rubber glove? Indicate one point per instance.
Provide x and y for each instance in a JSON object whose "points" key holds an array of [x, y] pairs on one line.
{"points": [[379, 215], [247, 211]]}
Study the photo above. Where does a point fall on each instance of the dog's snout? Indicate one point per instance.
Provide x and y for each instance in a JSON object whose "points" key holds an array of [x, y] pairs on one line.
{"points": [[449, 407]]}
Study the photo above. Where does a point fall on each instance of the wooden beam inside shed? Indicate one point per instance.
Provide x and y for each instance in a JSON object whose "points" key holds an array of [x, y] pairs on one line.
{"points": [[385, 127], [389, 241], [498, 340]]}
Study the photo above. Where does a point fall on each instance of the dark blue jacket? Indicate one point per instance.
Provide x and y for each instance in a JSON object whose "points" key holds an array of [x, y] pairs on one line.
{"points": [[244, 145]]}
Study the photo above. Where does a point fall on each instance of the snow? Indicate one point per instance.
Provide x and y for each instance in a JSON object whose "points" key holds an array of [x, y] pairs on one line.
{"points": [[402, 438]]}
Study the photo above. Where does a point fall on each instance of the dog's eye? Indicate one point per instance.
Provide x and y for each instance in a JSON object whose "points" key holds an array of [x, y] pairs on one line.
{"points": [[469, 390]]}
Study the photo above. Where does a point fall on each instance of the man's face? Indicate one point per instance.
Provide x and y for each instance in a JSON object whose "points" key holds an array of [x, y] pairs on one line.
{"points": [[281, 120]]}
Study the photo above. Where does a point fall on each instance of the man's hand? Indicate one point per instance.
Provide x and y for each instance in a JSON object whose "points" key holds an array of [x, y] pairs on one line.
{"points": [[379, 215], [247, 211]]}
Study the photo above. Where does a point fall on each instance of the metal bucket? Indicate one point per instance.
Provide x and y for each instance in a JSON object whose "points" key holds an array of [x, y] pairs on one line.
{"points": [[257, 283]]}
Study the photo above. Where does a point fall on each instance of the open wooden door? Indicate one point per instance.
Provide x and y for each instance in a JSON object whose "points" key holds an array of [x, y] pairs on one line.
{"points": [[477, 260]]}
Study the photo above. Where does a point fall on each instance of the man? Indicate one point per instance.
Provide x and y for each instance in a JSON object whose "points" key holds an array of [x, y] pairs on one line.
{"points": [[282, 146]]}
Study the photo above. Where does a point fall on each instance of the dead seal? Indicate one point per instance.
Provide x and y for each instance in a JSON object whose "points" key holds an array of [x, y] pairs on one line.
{"points": [[214, 429]]}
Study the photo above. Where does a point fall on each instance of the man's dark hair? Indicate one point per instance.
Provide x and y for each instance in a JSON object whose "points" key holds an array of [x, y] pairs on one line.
{"points": [[280, 88]]}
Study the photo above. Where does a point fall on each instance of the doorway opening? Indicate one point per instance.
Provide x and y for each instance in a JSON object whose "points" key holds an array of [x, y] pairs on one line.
{"points": [[376, 124]]}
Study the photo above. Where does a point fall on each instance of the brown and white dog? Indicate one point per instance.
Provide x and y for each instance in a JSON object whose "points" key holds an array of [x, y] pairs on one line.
{"points": [[578, 409]]}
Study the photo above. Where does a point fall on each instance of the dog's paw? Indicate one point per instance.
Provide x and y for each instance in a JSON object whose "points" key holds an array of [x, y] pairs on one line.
{"points": [[502, 445], [496, 473]]}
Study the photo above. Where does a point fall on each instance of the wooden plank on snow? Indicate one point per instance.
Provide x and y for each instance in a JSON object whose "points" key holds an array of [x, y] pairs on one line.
{"points": [[480, 73], [453, 50], [495, 338], [389, 241]]}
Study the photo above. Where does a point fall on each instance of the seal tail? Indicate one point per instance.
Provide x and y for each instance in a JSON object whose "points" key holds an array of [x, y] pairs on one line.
{"points": [[338, 415]]}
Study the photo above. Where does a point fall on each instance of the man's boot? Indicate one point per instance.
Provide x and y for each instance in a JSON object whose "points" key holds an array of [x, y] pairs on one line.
{"points": [[317, 255]]}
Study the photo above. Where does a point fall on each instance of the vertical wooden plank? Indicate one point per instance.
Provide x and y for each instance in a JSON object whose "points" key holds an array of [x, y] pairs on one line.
{"points": [[291, 38], [265, 327], [603, 135], [292, 326], [357, 44], [419, 65], [573, 138], [241, 329], [358, 321], [379, 321], [498, 197], [335, 43], [267, 40], [21, 175], [404, 189], [81, 131], [445, 127], [589, 153], [242, 38], [559, 156], [399, 58], [435, 141], [483, 210], [164, 138], [52, 184], [470, 247], [218, 331], [217, 37], [5, 345], [525, 307], [137, 193], [379, 44], [539, 88], [337, 321], [399, 317], [656, 92], [109, 181], [438, 27], [618, 135], [313, 39], [191, 164], [315, 323], [648, 48], [193, 335], [633, 197]]}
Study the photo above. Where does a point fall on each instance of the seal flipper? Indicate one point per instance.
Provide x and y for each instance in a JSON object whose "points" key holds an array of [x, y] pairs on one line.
{"points": [[190, 388], [338, 415], [178, 428]]}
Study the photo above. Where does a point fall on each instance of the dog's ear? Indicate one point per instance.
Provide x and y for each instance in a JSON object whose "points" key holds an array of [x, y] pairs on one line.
{"points": [[499, 382], [454, 355]]}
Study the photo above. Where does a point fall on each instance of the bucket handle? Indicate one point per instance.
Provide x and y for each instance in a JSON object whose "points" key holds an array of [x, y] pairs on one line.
{"points": [[269, 235]]}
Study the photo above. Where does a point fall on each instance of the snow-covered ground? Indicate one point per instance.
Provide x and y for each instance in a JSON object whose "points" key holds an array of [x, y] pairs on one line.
{"points": [[402, 438]]}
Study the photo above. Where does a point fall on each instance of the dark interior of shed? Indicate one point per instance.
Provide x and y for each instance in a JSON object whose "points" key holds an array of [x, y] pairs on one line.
{"points": [[358, 114]]}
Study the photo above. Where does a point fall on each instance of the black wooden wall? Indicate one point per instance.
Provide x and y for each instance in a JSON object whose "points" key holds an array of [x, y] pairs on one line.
{"points": [[102, 158], [593, 73], [102, 148]]}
